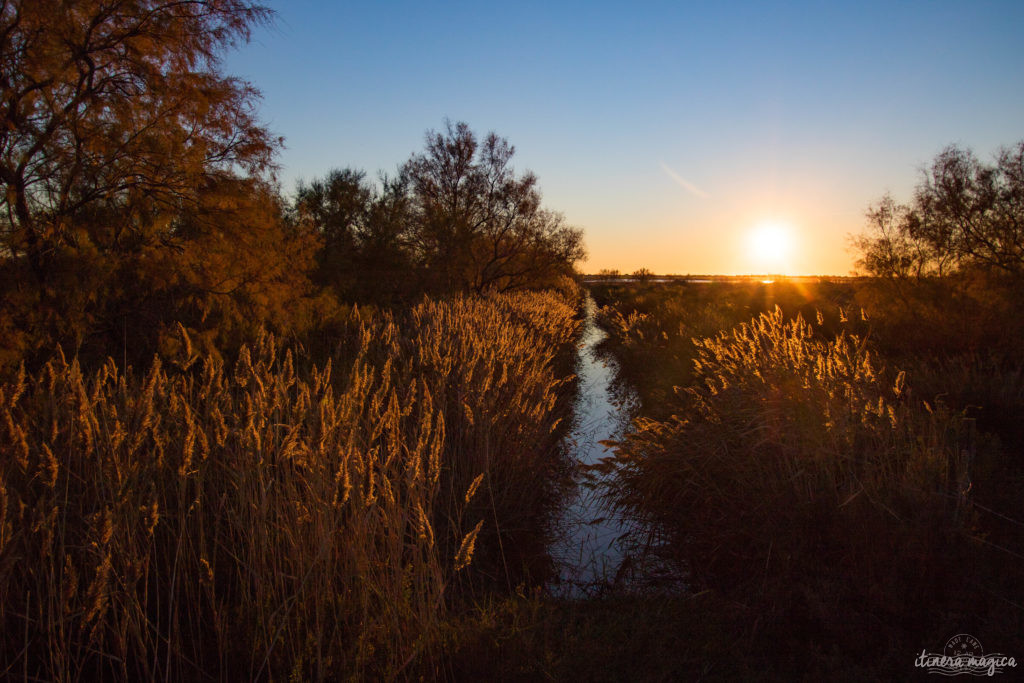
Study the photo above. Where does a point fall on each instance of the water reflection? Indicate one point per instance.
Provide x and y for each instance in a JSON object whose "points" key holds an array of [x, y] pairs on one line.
{"points": [[589, 550]]}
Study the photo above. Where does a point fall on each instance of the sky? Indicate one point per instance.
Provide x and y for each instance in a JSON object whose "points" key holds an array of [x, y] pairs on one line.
{"points": [[681, 137]]}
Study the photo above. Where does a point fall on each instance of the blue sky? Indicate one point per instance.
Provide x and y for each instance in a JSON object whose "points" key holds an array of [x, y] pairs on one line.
{"points": [[667, 131]]}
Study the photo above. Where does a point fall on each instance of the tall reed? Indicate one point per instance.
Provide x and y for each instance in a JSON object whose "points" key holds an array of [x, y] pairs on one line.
{"points": [[797, 466], [262, 520]]}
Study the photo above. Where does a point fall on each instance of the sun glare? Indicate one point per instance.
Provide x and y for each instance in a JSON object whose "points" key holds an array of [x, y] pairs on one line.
{"points": [[771, 245]]}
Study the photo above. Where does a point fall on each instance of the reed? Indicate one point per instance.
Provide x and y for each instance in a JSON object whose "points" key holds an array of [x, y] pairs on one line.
{"points": [[652, 327], [794, 470], [273, 518]]}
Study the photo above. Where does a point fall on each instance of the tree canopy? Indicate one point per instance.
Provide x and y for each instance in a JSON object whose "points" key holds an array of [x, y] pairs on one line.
{"points": [[965, 215], [456, 218], [115, 114], [477, 223], [948, 265], [137, 181]]}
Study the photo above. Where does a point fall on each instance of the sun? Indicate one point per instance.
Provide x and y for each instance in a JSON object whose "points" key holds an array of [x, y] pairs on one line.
{"points": [[771, 245]]}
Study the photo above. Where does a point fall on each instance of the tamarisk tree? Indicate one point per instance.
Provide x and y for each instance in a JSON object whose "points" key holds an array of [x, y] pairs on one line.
{"points": [[114, 116]]}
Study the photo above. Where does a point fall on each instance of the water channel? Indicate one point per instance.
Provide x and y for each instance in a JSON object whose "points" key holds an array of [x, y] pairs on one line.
{"points": [[590, 549]]}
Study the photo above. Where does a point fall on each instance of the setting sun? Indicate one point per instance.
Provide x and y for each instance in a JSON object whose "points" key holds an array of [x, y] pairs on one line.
{"points": [[771, 245]]}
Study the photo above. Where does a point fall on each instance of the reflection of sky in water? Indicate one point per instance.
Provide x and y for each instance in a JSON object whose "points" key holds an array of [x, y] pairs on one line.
{"points": [[587, 549]]}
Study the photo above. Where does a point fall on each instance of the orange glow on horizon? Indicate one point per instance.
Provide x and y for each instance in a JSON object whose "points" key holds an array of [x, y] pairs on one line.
{"points": [[724, 240]]}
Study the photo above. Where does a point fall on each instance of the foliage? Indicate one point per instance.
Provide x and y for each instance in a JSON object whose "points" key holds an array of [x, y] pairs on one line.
{"points": [[652, 326], [476, 224], [792, 473], [136, 190], [335, 208], [965, 215], [115, 115], [457, 218], [779, 420], [235, 267], [365, 252], [948, 267]]}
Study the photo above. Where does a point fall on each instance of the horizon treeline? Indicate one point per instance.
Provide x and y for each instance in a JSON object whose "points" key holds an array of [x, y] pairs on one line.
{"points": [[139, 193]]}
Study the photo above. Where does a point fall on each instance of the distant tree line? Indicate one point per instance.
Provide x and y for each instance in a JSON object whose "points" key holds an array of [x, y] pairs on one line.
{"points": [[139, 193]]}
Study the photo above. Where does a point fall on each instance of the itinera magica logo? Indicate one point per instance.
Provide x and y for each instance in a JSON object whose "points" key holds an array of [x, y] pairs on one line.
{"points": [[964, 654]]}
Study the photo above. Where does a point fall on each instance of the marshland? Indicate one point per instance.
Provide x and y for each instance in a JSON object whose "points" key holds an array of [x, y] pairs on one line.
{"points": [[267, 413]]}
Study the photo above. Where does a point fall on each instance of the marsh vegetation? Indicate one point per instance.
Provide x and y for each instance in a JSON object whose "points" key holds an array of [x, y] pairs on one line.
{"points": [[811, 462], [332, 433]]}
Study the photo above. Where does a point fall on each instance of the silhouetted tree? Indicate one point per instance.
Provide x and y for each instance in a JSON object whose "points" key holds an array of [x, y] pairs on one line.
{"points": [[965, 215], [336, 207], [950, 263], [386, 271], [477, 225], [364, 230]]}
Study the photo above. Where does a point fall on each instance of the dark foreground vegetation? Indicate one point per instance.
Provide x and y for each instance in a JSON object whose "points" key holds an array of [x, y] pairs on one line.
{"points": [[247, 435], [273, 517]]}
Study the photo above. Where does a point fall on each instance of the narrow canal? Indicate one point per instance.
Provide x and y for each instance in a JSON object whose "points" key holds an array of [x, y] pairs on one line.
{"points": [[589, 549]]}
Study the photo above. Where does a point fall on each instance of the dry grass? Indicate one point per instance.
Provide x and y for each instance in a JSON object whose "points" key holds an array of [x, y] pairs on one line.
{"points": [[793, 473], [652, 327], [201, 521]]}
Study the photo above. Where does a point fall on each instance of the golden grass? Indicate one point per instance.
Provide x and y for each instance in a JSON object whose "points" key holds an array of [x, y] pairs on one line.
{"points": [[797, 464], [261, 520]]}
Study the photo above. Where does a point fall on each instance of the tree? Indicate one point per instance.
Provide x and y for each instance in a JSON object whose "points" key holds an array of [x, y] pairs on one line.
{"points": [[455, 218], [336, 207], [949, 264], [137, 182], [965, 216], [385, 261], [115, 114], [364, 233], [240, 268], [476, 224]]}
